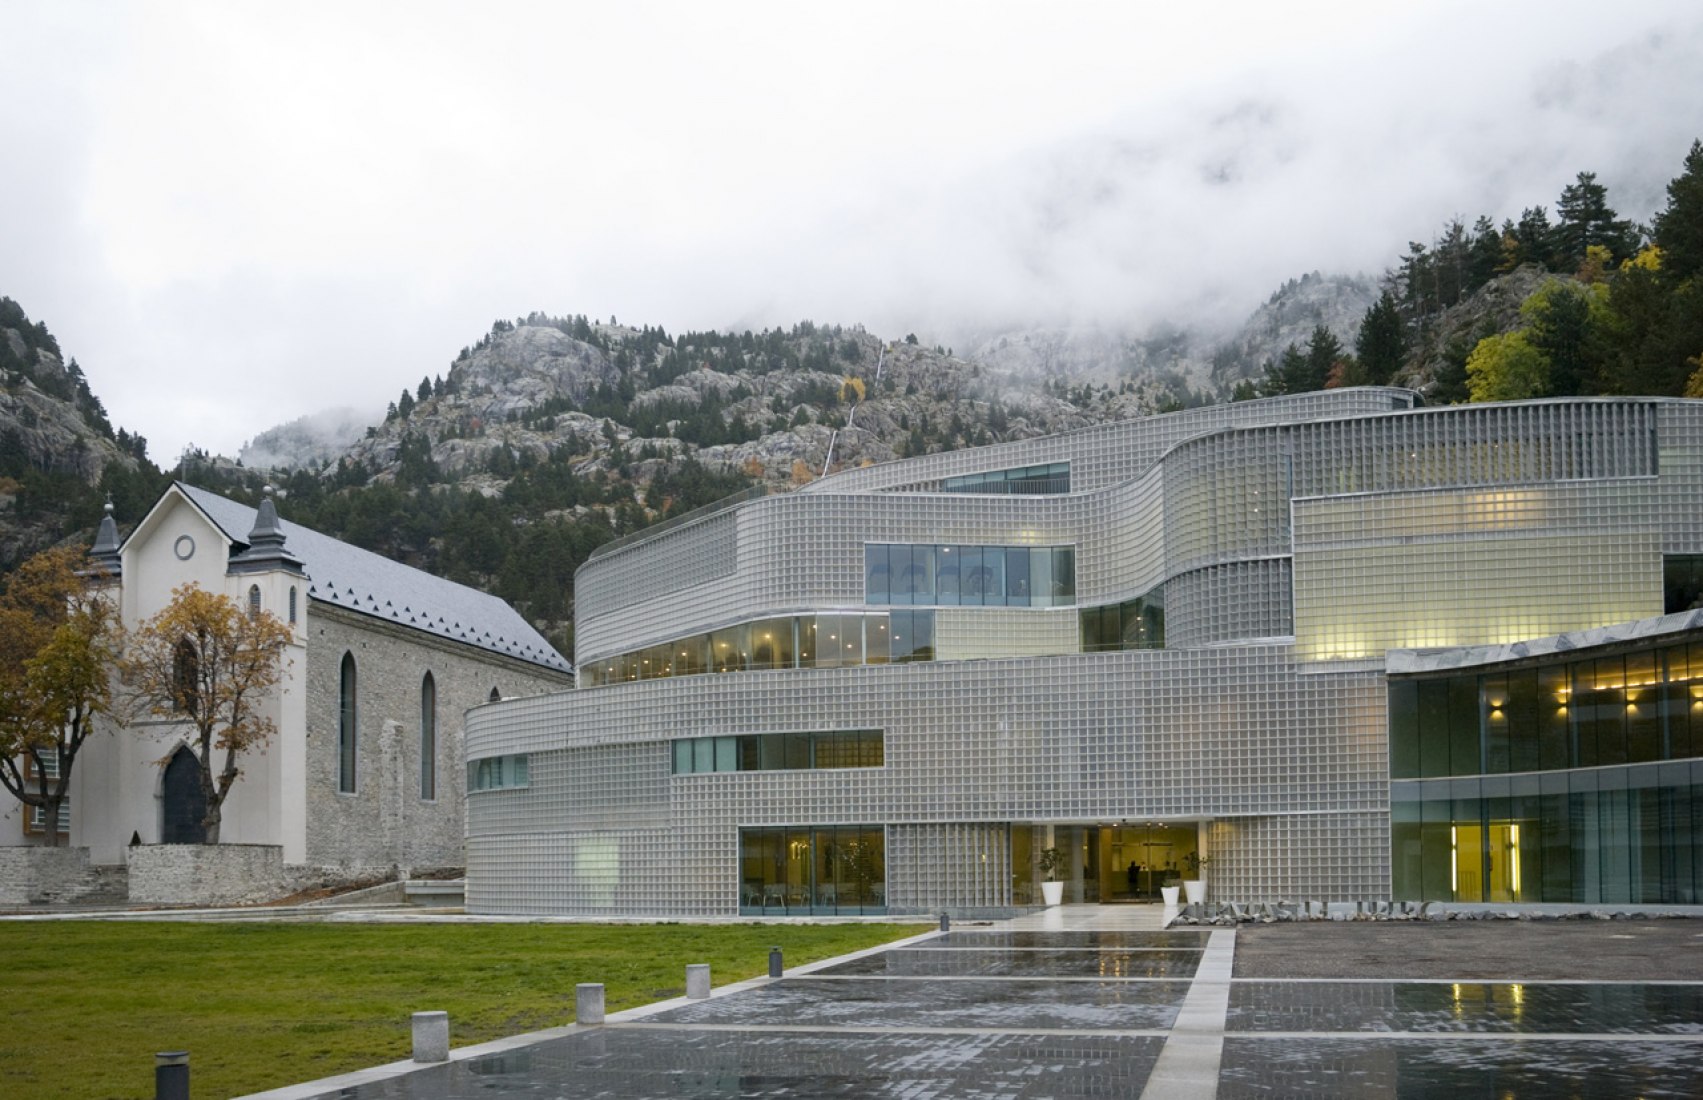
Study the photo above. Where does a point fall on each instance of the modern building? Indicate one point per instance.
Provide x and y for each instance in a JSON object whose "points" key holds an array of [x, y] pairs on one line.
{"points": [[1344, 646], [365, 769]]}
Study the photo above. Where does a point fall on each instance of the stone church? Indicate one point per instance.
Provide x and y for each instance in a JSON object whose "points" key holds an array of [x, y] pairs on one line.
{"points": [[365, 772]]}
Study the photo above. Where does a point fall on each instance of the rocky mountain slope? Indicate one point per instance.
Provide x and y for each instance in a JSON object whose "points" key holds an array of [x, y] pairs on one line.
{"points": [[59, 455]]}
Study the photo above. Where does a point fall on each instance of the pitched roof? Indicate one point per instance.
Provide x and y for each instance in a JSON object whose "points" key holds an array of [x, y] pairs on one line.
{"points": [[371, 584]]}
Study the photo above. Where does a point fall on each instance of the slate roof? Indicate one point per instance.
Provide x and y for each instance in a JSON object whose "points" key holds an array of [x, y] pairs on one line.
{"points": [[358, 580]]}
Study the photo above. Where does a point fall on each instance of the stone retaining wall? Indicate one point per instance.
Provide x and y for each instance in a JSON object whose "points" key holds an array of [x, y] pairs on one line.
{"points": [[207, 874], [36, 876]]}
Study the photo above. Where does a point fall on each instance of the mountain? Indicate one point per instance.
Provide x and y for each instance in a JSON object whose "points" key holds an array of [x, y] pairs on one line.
{"points": [[307, 440], [59, 454]]}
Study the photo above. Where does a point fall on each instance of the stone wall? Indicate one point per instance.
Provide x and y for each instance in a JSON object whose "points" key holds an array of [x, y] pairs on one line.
{"points": [[35, 876], [207, 874], [386, 823]]}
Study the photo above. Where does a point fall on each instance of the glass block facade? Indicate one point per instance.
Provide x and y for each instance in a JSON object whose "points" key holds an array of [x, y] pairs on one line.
{"points": [[1210, 657]]}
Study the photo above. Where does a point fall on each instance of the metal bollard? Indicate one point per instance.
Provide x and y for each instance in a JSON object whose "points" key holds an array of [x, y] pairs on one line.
{"points": [[588, 1003], [431, 1036], [171, 1075], [946, 922], [697, 981], [774, 962]]}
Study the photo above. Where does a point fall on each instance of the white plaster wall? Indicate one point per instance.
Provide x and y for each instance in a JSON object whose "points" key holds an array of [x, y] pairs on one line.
{"points": [[115, 784]]}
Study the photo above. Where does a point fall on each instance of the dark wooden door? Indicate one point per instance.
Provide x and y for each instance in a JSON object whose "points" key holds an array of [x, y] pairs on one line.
{"points": [[185, 805]]}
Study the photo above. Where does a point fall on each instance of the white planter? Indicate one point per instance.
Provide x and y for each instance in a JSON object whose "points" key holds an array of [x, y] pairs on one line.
{"points": [[1196, 890], [1052, 892], [1169, 893]]}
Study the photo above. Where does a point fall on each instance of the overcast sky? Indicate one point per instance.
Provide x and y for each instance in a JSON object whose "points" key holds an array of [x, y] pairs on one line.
{"points": [[233, 214]]}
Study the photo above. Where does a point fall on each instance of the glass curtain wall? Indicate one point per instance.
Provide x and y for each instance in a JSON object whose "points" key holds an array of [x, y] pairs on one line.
{"points": [[828, 870], [1575, 780]]}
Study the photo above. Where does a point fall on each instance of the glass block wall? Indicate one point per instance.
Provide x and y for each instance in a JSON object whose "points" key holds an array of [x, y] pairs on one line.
{"points": [[1291, 543]]}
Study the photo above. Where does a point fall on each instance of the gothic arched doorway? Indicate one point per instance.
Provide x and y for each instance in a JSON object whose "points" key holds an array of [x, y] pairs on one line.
{"points": [[184, 806]]}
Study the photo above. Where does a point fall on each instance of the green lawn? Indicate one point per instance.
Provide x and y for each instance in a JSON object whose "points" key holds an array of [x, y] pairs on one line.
{"points": [[263, 1005]]}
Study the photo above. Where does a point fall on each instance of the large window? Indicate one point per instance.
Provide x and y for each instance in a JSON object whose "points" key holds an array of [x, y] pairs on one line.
{"points": [[1626, 834], [1628, 708], [428, 737], [1133, 624], [969, 576], [828, 640], [1020, 481], [792, 870], [347, 719], [497, 773], [34, 823], [780, 751]]}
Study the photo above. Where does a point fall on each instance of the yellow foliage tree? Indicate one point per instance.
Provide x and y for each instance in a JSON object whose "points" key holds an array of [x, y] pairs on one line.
{"points": [[205, 661], [1506, 367], [1598, 261], [59, 639], [851, 390], [1694, 384]]}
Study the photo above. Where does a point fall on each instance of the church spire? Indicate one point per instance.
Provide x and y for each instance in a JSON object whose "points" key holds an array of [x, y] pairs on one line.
{"points": [[104, 553], [266, 548]]}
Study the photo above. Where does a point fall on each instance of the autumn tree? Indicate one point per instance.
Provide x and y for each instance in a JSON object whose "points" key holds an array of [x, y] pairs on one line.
{"points": [[1506, 367], [206, 662], [59, 640]]}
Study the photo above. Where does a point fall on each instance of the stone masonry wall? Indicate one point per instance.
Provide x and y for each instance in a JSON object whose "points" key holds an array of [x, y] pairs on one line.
{"points": [[206, 874], [32, 876], [386, 823]]}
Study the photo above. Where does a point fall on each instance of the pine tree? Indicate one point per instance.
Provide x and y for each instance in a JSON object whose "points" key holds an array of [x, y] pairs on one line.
{"points": [[1585, 218], [1678, 230], [1532, 235], [1324, 351], [1382, 342]]}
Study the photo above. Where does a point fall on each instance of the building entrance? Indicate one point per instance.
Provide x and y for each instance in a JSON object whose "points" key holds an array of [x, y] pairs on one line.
{"points": [[1122, 862]]}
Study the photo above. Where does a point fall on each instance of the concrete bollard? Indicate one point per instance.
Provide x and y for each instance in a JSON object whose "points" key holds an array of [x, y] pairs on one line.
{"points": [[588, 1003], [431, 1036], [946, 922], [698, 981], [774, 962], [171, 1075]]}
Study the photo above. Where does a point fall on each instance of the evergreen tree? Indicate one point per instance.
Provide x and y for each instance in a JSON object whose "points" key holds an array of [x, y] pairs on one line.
{"points": [[1678, 230], [1382, 342], [1559, 318], [1324, 352], [1585, 218], [1486, 258], [1531, 238]]}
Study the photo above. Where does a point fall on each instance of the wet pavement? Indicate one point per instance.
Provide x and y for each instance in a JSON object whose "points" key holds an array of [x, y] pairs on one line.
{"points": [[1102, 1002]]}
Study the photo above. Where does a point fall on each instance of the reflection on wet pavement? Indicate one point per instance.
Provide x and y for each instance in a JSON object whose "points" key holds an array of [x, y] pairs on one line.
{"points": [[925, 962], [1458, 1069], [1058, 1009], [616, 1064], [1480, 1007], [806, 1002], [1082, 940]]}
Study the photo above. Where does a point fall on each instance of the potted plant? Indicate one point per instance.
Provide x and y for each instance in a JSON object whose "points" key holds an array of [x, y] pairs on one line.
{"points": [[1052, 862], [1195, 884], [1171, 887]]}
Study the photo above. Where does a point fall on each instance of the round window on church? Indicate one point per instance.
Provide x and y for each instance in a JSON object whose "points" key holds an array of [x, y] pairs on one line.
{"points": [[184, 548]]}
